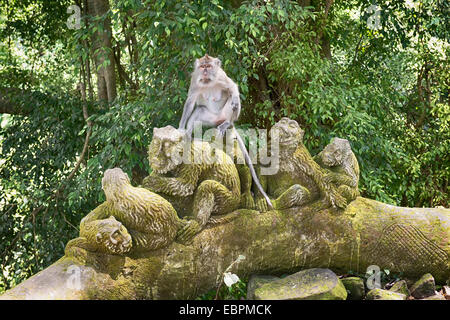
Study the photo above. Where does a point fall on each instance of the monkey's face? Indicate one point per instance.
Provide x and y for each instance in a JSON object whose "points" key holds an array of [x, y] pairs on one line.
{"points": [[289, 132], [114, 236], [335, 152], [206, 70], [113, 180], [165, 150]]}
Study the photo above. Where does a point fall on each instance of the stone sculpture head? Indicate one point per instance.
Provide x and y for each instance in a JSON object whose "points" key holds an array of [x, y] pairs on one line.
{"points": [[113, 182], [165, 150], [335, 152], [289, 132], [113, 235]]}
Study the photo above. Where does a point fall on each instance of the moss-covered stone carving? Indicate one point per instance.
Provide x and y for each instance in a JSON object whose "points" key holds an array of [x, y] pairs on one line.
{"points": [[130, 219], [245, 176], [311, 284], [206, 176], [300, 179], [339, 158], [143, 244]]}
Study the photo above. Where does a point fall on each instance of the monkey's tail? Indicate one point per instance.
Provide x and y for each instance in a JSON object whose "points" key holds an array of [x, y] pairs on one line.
{"points": [[214, 221], [252, 170]]}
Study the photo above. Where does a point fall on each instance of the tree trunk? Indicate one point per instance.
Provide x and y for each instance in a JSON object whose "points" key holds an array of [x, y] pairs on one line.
{"points": [[103, 51], [413, 241]]}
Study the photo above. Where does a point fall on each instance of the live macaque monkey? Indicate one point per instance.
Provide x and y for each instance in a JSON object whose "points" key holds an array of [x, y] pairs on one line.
{"points": [[213, 99]]}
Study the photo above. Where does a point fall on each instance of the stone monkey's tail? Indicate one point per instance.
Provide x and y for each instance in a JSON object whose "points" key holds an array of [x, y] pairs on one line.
{"points": [[217, 220], [250, 165]]}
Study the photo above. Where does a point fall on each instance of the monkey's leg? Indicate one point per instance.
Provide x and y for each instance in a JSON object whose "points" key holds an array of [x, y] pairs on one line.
{"points": [[339, 179], [311, 168], [211, 197], [295, 196], [78, 249], [103, 211], [260, 203], [228, 115], [245, 177], [248, 160], [328, 189], [223, 127], [148, 241], [201, 114]]}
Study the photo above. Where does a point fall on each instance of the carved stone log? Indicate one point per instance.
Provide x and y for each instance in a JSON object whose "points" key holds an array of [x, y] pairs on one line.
{"points": [[409, 240]]}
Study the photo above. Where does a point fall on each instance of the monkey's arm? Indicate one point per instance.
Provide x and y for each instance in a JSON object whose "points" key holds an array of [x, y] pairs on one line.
{"points": [[318, 159], [340, 179], [233, 88], [188, 107], [101, 212], [183, 185], [261, 203], [246, 186], [306, 164], [78, 248], [235, 99]]}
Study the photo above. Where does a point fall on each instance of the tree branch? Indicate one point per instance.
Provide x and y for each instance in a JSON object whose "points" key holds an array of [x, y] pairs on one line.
{"points": [[409, 240]]}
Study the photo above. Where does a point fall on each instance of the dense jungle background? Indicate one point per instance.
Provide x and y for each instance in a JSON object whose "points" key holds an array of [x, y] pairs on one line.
{"points": [[81, 88]]}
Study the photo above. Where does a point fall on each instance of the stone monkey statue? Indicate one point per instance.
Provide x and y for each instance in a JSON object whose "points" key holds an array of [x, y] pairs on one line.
{"points": [[339, 158], [299, 179], [212, 184]]}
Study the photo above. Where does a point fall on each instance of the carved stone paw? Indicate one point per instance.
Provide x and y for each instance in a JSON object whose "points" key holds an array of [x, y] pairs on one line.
{"points": [[188, 231], [261, 205], [247, 201], [328, 179], [75, 252], [337, 200]]}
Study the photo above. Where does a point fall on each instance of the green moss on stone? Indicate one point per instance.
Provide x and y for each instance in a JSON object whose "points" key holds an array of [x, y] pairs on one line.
{"points": [[354, 287], [311, 284], [400, 287], [380, 294], [424, 287]]}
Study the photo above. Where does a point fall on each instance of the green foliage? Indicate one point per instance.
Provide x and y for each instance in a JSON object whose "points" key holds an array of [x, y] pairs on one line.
{"points": [[34, 153]]}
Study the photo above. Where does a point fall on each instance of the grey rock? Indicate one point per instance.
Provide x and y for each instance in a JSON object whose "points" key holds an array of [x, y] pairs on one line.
{"points": [[311, 284], [354, 287], [434, 297], [424, 287], [257, 281], [400, 287], [380, 294]]}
